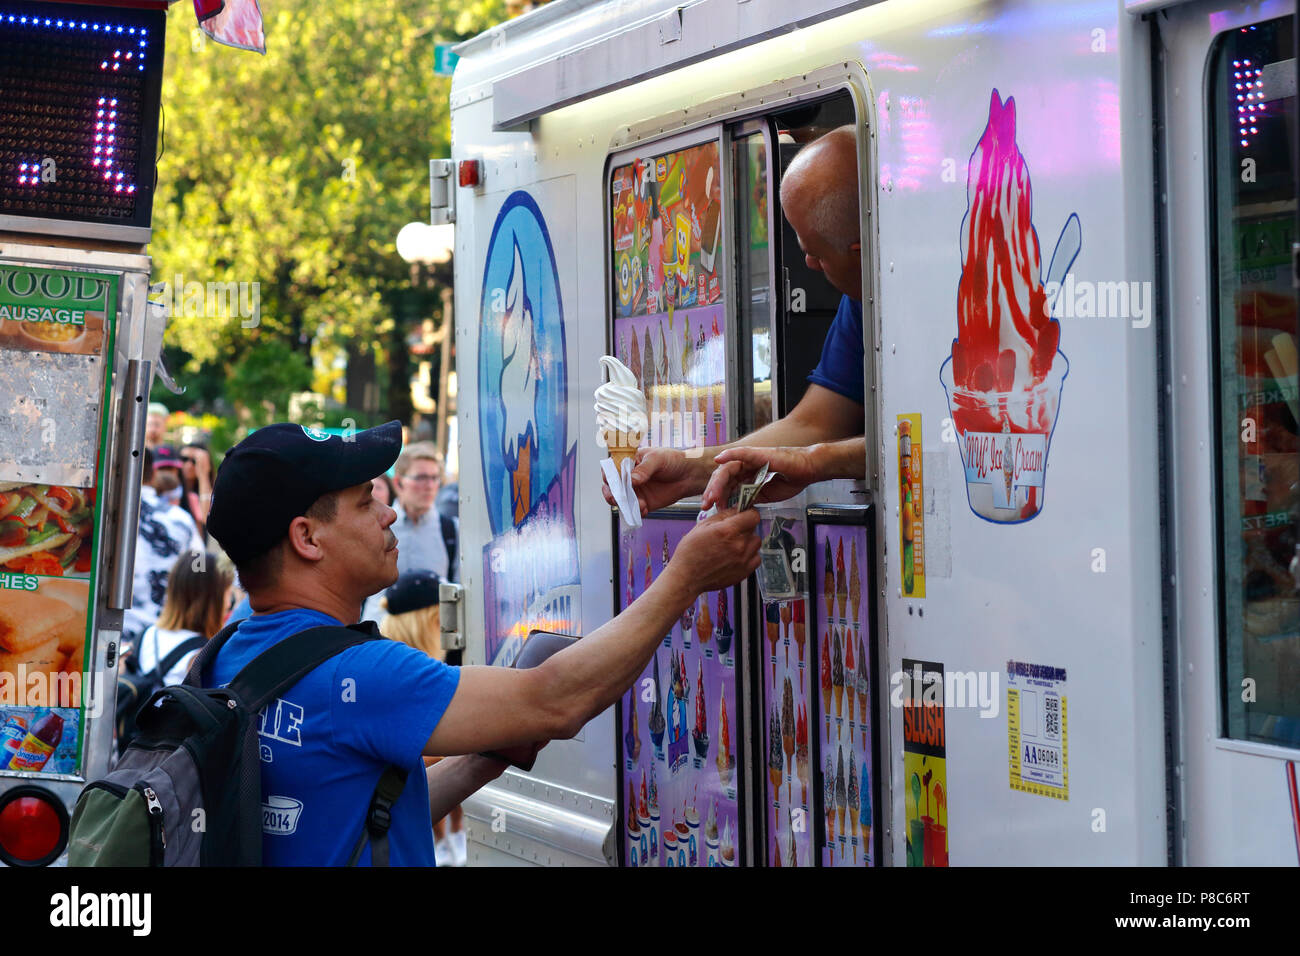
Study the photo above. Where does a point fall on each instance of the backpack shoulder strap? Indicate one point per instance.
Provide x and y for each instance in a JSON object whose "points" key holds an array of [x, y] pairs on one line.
{"points": [[208, 654], [278, 668], [449, 540], [180, 650], [380, 817]]}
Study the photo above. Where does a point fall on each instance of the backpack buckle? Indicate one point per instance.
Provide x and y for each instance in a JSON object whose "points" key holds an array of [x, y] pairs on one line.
{"points": [[380, 819]]}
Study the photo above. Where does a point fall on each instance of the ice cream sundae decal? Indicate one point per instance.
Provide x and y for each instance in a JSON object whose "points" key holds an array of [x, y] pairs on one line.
{"points": [[1005, 373], [530, 567]]}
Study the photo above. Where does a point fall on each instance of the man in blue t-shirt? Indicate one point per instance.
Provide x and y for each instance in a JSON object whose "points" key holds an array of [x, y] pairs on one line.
{"points": [[822, 436], [293, 509]]}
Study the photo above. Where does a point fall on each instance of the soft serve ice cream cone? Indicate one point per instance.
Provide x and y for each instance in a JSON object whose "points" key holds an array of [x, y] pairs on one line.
{"points": [[850, 672], [851, 798], [841, 791], [837, 672], [826, 674], [801, 752], [828, 801], [620, 411], [787, 725], [774, 762]]}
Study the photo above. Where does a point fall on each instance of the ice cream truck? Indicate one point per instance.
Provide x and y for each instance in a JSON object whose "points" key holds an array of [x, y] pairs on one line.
{"points": [[1062, 602], [79, 347]]}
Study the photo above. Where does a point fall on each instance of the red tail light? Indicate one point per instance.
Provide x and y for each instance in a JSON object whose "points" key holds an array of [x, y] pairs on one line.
{"points": [[33, 827], [471, 172]]}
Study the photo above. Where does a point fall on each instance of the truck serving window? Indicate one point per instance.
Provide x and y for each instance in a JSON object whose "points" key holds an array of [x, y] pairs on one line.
{"points": [[1252, 106], [808, 301], [669, 287]]}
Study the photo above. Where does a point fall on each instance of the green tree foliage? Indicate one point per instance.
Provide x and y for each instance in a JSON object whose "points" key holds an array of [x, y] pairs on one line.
{"points": [[295, 171]]}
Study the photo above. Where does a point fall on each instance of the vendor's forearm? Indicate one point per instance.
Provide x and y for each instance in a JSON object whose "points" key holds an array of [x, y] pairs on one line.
{"points": [[841, 459], [597, 670]]}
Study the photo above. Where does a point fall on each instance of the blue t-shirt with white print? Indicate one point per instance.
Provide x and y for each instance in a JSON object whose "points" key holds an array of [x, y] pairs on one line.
{"points": [[840, 368], [326, 742]]}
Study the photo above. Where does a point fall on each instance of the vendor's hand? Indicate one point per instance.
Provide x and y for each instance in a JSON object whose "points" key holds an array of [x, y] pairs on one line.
{"points": [[795, 469], [661, 477], [718, 552]]}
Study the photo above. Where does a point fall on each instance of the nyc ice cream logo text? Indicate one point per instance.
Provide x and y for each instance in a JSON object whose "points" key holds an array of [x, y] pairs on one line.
{"points": [[530, 566], [1005, 375]]}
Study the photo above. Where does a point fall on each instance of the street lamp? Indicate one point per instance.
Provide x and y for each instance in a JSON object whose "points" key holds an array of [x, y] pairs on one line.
{"points": [[422, 244], [426, 244]]}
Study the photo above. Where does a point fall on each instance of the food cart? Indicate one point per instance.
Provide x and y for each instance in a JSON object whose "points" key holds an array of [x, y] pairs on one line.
{"points": [[79, 346]]}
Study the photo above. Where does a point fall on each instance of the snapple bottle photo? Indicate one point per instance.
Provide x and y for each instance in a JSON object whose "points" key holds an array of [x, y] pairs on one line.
{"points": [[12, 735], [40, 743]]}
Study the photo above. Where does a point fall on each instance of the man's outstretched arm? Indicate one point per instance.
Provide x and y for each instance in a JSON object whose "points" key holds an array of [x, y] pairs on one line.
{"points": [[498, 707]]}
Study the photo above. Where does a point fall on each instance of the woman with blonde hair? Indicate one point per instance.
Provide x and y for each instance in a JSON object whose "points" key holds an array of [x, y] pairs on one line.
{"points": [[200, 586], [413, 619]]}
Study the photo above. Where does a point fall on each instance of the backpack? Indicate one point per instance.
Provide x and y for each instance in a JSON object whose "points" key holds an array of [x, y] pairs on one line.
{"points": [[188, 791], [134, 687], [449, 541]]}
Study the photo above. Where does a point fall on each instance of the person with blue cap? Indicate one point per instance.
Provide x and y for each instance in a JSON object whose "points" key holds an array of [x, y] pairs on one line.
{"points": [[293, 509]]}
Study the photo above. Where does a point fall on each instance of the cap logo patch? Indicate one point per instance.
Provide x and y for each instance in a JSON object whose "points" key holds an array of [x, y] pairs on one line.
{"points": [[315, 434]]}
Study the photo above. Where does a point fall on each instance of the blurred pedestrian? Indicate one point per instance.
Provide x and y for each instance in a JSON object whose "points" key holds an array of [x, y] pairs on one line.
{"points": [[448, 501], [164, 532], [413, 619], [155, 424], [382, 489], [196, 484], [167, 474], [200, 592], [426, 540]]}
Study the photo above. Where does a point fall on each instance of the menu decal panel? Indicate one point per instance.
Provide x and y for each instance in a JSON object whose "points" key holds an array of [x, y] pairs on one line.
{"points": [[56, 343]]}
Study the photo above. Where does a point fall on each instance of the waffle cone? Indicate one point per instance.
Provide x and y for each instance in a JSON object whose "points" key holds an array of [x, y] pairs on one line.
{"points": [[626, 450]]}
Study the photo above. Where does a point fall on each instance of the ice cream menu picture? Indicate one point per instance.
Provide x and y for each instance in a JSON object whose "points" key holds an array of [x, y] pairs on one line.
{"points": [[670, 320], [1006, 372], [846, 775], [787, 682], [680, 773], [56, 331]]}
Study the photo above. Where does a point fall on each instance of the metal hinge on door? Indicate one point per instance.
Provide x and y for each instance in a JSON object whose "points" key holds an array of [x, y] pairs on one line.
{"points": [[450, 602], [442, 192]]}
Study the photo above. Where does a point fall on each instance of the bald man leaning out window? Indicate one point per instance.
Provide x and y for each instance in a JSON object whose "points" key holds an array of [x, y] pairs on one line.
{"points": [[822, 436]]}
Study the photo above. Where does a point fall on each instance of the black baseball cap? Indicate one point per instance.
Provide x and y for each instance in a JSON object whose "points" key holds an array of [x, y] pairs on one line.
{"points": [[278, 472], [414, 591]]}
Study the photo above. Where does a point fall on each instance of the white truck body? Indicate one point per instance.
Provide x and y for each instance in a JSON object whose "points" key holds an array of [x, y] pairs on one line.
{"points": [[1119, 595]]}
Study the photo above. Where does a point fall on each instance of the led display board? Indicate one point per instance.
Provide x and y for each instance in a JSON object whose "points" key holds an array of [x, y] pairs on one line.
{"points": [[79, 95]]}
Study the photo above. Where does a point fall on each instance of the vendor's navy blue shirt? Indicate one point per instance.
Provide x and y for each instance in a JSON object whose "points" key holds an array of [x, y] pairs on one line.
{"points": [[840, 369], [326, 742]]}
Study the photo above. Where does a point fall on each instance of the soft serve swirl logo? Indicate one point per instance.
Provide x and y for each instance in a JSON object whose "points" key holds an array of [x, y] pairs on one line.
{"points": [[528, 463], [521, 363]]}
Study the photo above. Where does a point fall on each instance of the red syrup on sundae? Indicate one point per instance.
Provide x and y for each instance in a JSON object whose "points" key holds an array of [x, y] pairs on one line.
{"points": [[1005, 373]]}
